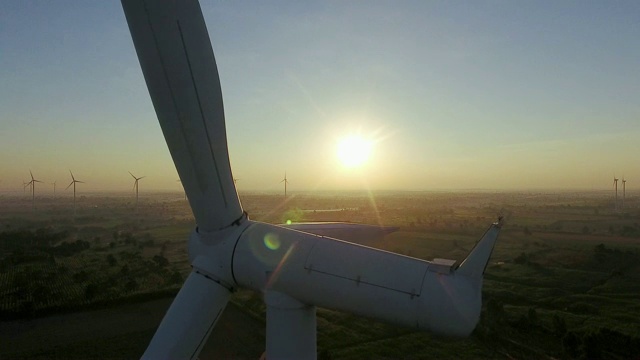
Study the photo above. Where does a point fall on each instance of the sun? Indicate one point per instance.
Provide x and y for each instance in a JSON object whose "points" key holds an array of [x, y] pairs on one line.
{"points": [[354, 151]]}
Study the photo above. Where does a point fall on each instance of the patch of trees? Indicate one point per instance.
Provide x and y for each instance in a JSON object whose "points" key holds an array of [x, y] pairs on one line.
{"points": [[161, 261], [583, 308], [527, 323], [67, 249], [111, 260], [91, 291], [614, 260], [37, 246], [593, 344], [521, 259], [40, 238], [127, 238], [600, 344], [22, 256], [629, 231], [81, 276], [30, 308]]}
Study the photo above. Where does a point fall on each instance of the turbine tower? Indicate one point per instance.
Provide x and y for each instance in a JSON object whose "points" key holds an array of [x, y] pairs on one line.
{"points": [[624, 188], [285, 181], [73, 182], [24, 187], [615, 186], [33, 190], [135, 186], [296, 271]]}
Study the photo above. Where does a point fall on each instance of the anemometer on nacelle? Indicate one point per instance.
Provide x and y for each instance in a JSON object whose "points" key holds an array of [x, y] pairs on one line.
{"points": [[296, 270]]}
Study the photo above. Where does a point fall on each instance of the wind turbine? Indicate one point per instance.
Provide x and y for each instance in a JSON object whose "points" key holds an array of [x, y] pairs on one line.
{"points": [[33, 190], [624, 186], [295, 270], [54, 189], [24, 187], [615, 185], [135, 186], [73, 182], [285, 181]]}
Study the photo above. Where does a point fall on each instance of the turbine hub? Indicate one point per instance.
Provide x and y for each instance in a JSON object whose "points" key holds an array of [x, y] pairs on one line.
{"points": [[211, 253]]}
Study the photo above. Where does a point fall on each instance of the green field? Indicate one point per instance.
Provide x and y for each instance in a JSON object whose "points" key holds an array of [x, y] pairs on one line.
{"points": [[563, 281]]}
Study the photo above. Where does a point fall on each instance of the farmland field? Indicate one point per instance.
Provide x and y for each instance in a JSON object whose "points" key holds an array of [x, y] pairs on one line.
{"points": [[563, 281]]}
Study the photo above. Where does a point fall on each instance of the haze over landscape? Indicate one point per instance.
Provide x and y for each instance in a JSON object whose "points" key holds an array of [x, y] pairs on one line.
{"points": [[416, 180], [476, 95]]}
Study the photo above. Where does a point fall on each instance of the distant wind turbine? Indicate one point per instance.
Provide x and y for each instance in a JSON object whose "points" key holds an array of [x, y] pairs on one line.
{"points": [[135, 186], [33, 190], [285, 181], [24, 187], [54, 189], [73, 182], [615, 185], [624, 185]]}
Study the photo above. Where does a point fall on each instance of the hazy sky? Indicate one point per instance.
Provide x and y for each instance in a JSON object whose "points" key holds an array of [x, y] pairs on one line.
{"points": [[457, 95]]}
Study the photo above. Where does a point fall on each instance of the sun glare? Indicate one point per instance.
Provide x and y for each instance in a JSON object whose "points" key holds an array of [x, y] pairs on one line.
{"points": [[354, 151]]}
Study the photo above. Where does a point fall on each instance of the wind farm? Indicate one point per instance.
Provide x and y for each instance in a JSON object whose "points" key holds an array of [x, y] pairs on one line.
{"points": [[414, 134]]}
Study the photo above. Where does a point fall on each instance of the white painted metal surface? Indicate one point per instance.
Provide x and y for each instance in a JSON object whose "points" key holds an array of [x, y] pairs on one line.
{"points": [[476, 262], [296, 270], [291, 327], [359, 233], [344, 276], [177, 61], [186, 327]]}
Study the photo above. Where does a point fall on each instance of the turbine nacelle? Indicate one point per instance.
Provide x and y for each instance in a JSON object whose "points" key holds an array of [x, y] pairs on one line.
{"points": [[339, 275]]}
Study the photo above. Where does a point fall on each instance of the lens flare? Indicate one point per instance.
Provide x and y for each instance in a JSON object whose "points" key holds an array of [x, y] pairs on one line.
{"points": [[271, 241]]}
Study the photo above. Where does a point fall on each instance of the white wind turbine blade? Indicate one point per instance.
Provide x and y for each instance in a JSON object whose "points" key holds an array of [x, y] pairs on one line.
{"points": [[190, 319], [73, 180], [176, 57], [177, 61]]}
